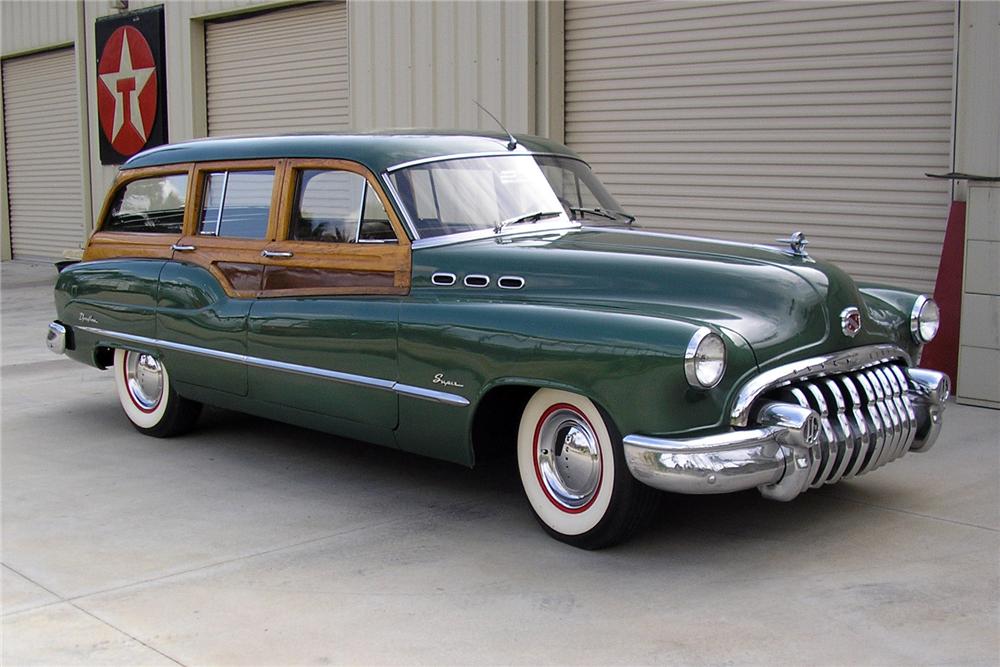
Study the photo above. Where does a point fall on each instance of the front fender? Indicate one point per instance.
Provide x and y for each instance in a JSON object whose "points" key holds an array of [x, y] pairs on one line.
{"points": [[630, 364]]}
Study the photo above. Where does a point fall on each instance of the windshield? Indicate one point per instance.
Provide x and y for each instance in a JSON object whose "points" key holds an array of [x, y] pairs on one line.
{"points": [[494, 192], [582, 196], [471, 194]]}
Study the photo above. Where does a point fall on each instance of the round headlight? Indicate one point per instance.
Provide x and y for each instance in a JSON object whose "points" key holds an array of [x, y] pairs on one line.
{"points": [[705, 359], [924, 319]]}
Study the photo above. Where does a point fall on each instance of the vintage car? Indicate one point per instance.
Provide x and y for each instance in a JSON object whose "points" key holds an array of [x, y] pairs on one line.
{"points": [[444, 293]]}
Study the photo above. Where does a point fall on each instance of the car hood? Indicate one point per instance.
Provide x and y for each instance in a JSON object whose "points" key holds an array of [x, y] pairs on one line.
{"points": [[783, 306]]}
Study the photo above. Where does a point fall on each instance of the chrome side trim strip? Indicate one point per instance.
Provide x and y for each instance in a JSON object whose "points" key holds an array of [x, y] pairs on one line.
{"points": [[430, 395], [837, 362], [336, 376]]}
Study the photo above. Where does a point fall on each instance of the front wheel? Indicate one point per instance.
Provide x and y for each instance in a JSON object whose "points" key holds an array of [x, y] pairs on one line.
{"points": [[150, 403], [573, 469]]}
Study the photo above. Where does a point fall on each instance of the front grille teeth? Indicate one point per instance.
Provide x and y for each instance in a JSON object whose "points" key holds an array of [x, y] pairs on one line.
{"points": [[866, 419]]}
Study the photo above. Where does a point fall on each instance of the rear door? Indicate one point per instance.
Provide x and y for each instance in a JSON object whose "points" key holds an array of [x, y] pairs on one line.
{"points": [[207, 290]]}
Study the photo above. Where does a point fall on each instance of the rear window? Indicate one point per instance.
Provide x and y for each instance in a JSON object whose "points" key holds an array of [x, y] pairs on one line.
{"points": [[153, 205]]}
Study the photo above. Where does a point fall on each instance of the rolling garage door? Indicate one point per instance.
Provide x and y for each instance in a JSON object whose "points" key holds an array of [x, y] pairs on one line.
{"points": [[281, 71], [44, 177], [751, 120]]}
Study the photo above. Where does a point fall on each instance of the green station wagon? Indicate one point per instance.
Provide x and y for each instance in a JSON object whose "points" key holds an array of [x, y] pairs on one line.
{"points": [[444, 293]]}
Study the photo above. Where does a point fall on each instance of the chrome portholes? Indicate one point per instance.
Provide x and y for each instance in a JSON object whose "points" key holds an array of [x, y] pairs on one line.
{"points": [[476, 280], [510, 282], [568, 458], [442, 279], [144, 380]]}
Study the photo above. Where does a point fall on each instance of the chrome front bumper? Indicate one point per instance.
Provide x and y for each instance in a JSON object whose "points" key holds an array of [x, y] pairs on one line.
{"points": [[840, 426]]}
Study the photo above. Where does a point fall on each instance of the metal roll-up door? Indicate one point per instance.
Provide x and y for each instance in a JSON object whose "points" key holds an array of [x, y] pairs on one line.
{"points": [[281, 71], [750, 120], [44, 174]]}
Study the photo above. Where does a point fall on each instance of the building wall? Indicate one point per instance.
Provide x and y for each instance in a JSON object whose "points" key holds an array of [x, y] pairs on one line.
{"points": [[441, 57]]}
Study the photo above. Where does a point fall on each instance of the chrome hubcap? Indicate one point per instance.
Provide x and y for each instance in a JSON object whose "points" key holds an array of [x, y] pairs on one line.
{"points": [[569, 459], [144, 376]]}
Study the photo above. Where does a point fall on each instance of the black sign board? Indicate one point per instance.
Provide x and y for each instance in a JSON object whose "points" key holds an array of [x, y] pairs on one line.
{"points": [[131, 83]]}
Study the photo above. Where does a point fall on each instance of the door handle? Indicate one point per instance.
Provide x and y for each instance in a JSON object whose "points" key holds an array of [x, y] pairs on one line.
{"points": [[274, 253], [182, 248]]}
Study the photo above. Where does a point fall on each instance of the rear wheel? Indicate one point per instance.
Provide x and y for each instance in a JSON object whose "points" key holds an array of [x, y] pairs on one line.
{"points": [[572, 466], [150, 403]]}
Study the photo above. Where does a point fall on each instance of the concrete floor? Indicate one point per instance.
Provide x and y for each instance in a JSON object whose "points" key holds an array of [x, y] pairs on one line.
{"points": [[252, 542]]}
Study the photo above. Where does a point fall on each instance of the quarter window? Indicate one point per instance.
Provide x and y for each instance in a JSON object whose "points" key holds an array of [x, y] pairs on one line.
{"points": [[338, 207], [237, 204], [152, 205]]}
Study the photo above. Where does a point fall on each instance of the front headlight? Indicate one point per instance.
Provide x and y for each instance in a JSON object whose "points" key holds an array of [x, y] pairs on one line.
{"points": [[924, 319], [705, 359]]}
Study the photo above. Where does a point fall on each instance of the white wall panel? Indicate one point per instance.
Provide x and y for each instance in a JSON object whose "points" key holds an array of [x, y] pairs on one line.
{"points": [[751, 120], [422, 64]]}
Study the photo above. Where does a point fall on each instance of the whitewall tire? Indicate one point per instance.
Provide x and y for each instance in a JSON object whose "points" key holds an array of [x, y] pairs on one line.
{"points": [[572, 467], [148, 399]]}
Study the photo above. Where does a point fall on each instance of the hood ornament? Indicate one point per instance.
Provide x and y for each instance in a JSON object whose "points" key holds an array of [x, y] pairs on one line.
{"points": [[797, 244]]}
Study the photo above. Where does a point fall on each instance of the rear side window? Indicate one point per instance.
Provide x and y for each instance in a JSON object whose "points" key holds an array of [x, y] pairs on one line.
{"points": [[154, 205], [237, 204]]}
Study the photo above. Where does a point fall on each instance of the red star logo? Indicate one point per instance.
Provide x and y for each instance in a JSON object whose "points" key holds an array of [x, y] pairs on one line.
{"points": [[126, 92]]}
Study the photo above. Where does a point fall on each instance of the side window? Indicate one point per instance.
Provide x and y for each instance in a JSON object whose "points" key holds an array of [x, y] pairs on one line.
{"points": [[154, 205], [237, 204], [337, 207]]}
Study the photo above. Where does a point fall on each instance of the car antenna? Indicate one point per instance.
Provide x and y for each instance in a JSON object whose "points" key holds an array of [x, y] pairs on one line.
{"points": [[512, 142]]}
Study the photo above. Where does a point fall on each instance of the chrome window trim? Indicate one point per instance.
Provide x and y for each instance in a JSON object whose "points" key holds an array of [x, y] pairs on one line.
{"points": [[465, 156], [837, 362], [526, 229], [404, 215], [336, 376]]}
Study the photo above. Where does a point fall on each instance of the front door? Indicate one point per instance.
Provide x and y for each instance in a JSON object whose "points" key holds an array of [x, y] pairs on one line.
{"points": [[322, 333]]}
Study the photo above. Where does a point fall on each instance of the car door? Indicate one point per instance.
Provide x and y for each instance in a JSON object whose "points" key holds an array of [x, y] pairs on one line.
{"points": [[322, 333], [206, 291]]}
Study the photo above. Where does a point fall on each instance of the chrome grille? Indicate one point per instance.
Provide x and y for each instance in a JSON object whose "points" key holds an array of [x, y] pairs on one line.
{"points": [[866, 416]]}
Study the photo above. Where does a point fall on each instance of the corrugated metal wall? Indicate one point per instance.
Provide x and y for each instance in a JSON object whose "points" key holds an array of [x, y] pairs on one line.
{"points": [[42, 132], [281, 71], [421, 64], [750, 120], [29, 24]]}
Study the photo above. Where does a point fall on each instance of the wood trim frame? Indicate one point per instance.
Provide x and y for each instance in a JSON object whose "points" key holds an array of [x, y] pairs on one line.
{"points": [[107, 245], [325, 262], [320, 260], [242, 255]]}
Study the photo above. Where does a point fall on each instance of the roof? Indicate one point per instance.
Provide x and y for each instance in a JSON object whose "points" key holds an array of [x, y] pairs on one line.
{"points": [[376, 150]]}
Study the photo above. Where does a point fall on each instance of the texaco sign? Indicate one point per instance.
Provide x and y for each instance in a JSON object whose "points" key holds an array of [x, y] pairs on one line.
{"points": [[131, 91]]}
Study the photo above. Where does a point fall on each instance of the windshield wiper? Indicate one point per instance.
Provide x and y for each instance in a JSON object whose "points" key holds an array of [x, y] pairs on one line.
{"points": [[604, 213], [527, 217]]}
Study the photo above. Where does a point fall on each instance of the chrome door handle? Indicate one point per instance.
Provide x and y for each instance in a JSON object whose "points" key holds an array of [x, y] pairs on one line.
{"points": [[273, 253], [182, 248]]}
